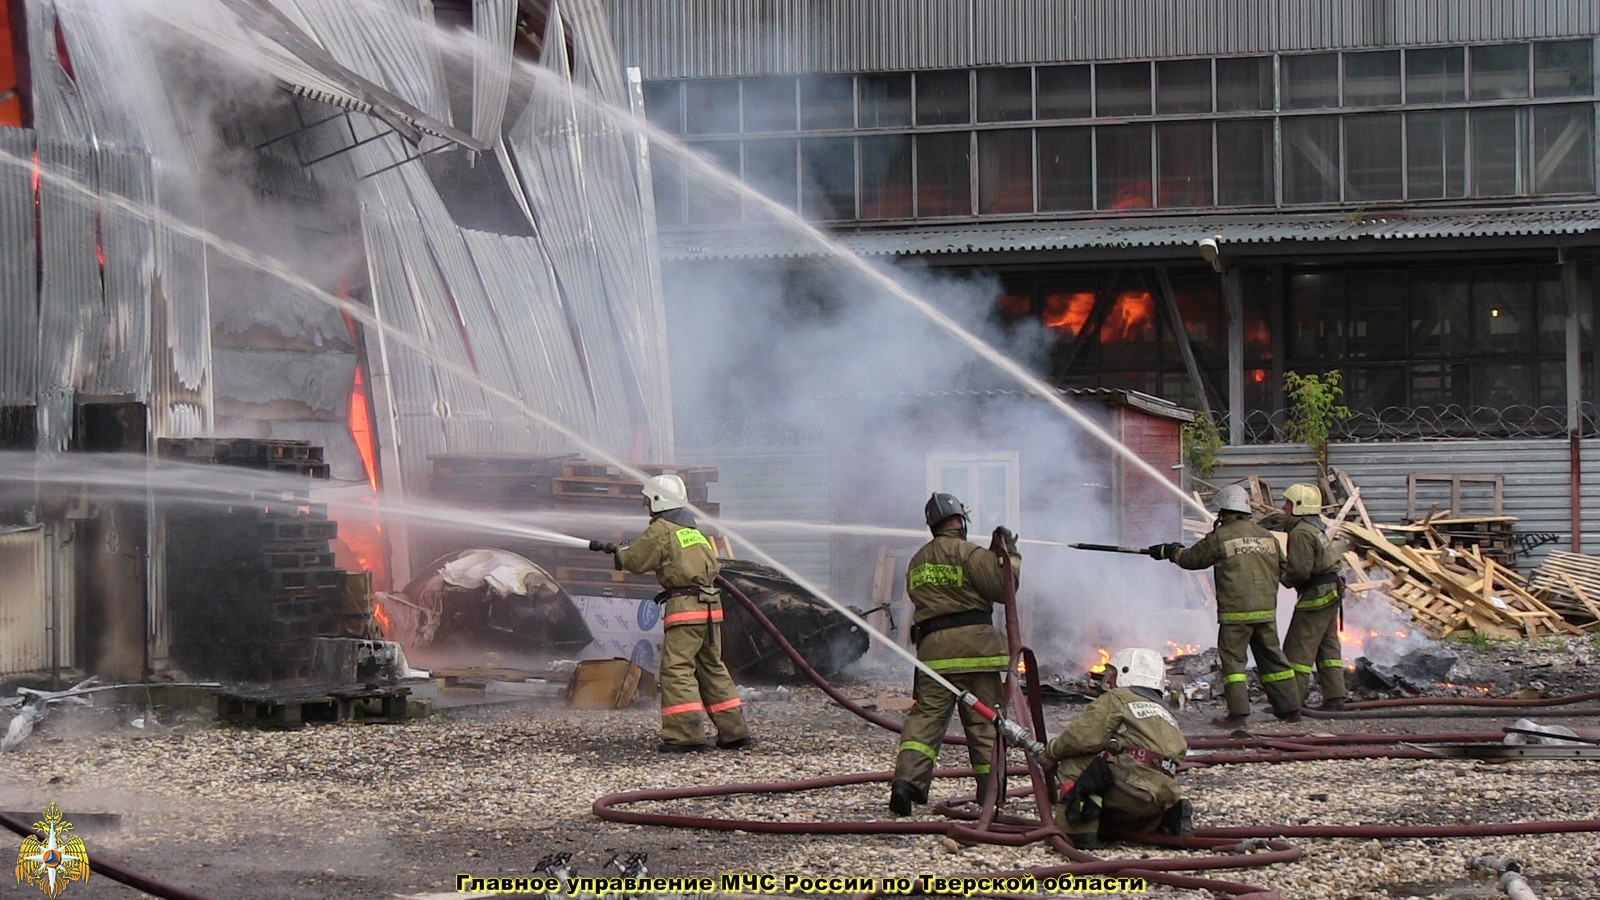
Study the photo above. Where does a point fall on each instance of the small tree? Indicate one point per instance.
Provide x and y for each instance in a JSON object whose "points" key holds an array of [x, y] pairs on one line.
{"points": [[1202, 441], [1314, 409]]}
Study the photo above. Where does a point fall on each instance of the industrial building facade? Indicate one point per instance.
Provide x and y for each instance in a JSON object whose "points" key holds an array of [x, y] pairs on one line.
{"points": [[1404, 191]]}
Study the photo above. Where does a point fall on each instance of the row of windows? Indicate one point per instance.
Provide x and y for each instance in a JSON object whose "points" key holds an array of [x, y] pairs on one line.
{"points": [[1226, 85], [1436, 154]]}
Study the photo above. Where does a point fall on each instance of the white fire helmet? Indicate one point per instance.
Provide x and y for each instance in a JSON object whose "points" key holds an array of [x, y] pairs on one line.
{"points": [[665, 492], [1306, 499], [1139, 667], [1233, 498]]}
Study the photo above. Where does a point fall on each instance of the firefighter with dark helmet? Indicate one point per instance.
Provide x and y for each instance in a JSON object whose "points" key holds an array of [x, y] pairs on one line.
{"points": [[1118, 760], [693, 677], [953, 586], [1246, 562], [1313, 569]]}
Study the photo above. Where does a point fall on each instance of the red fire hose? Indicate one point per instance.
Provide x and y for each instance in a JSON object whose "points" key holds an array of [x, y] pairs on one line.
{"points": [[1008, 830], [118, 872]]}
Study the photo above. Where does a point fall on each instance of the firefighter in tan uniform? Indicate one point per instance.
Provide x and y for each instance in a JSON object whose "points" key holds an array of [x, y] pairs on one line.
{"points": [[953, 586], [1247, 563], [1312, 568], [693, 677], [1118, 760]]}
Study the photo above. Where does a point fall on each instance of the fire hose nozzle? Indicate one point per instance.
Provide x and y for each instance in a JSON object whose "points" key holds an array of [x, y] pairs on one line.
{"points": [[1014, 734]]}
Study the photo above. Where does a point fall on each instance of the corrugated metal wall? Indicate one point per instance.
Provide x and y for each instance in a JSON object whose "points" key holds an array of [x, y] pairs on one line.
{"points": [[24, 603], [704, 38], [775, 485], [1537, 479]]}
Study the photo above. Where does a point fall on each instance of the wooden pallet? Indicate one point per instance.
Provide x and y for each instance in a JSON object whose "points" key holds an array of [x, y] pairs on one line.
{"points": [[300, 706]]}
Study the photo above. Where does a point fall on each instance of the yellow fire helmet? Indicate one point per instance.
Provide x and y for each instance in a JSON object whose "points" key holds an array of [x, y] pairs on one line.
{"points": [[1305, 499]]}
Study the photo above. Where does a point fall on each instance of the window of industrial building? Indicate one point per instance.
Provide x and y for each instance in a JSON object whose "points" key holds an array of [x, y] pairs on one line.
{"points": [[662, 105], [1246, 146], [943, 98], [1066, 169], [1064, 92], [1372, 79], [1373, 158], [1499, 165], [1436, 75], [886, 177], [772, 167], [711, 107], [944, 174], [1441, 384], [885, 100], [1375, 310], [1005, 171], [1440, 323], [1551, 310], [827, 102], [1316, 326], [1436, 154], [1499, 72], [1183, 86], [1183, 159], [1244, 83], [1311, 159], [1563, 69], [1005, 95], [828, 178], [1502, 312], [769, 104], [1122, 89], [1563, 149], [710, 201], [1310, 81], [1122, 154]]}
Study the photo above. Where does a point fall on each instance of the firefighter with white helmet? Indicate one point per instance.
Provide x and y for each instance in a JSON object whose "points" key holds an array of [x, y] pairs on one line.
{"points": [[693, 677], [1246, 561], [953, 586], [1313, 569], [1118, 760]]}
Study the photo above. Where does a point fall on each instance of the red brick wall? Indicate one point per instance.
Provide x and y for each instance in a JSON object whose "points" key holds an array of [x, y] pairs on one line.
{"points": [[1150, 513]]}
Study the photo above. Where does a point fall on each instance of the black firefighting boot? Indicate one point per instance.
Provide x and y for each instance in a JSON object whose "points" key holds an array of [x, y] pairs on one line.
{"points": [[903, 795], [1178, 819]]}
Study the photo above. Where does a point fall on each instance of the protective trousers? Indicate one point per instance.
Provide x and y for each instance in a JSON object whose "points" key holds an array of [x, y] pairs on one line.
{"points": [[694, 679], [1277, 678], [924, 727], [1091, 793], [1312, 645]]}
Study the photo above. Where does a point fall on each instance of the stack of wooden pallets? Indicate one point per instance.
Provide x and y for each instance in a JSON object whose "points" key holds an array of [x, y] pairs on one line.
{"points": [[1569, 583], [1448, 591]]}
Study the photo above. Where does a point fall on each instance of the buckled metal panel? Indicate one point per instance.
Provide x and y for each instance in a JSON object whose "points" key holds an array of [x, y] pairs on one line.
{"points": [[127, 240], [494, 27], [19, 299], [24, 603], [69, 291]]}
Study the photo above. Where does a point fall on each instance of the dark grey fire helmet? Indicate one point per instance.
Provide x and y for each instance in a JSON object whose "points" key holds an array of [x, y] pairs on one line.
{"points": [[943, 506]]}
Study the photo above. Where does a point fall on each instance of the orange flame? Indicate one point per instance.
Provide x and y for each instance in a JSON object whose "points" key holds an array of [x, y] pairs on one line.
{"points": [[1068, 312], [1176, 649], [1105, 657], [1131, 318], [1022, 666], [384, 622]]}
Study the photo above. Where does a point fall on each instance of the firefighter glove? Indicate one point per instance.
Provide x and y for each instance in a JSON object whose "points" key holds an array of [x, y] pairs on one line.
{"points": [[1163, 551], [598, 547], [1004, 538]]}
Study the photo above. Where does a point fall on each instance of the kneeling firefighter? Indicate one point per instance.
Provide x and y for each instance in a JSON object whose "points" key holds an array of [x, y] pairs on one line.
{"points": [[693, 677], [1118, 760]]}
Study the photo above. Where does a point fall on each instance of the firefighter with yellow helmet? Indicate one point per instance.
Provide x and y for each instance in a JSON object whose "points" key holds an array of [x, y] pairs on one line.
{"points": [[1246, 562], [953, 586], [1312, 569], [693, 677], [1118, 760]]}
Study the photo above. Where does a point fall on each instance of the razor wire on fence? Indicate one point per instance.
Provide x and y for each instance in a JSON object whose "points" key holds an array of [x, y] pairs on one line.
{"points": [[1435, 422]]}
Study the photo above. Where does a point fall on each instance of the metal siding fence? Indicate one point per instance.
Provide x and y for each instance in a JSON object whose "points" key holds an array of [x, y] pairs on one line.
{"points": [[1537, 477], [24, 603], [19, 300], [718, 38]]}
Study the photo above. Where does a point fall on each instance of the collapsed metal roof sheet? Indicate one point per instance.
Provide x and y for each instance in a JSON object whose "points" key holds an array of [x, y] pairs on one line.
{"points": [[757, 243]]}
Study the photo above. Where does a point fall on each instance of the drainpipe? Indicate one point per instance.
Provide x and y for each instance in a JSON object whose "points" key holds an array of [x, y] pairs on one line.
{"points": [[1576, 488]]}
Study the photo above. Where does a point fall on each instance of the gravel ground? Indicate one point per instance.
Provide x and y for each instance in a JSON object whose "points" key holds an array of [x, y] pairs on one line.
{"points": [[347, 811]]}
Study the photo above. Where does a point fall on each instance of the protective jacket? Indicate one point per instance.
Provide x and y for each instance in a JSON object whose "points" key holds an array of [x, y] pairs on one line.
{"points": [[1310, 566], [1248, 563], [683, 561], [952, 580], [1145, 733]]}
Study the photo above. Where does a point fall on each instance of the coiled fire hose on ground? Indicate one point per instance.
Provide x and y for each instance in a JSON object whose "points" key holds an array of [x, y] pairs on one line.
{"points": [[1007, 830]]}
